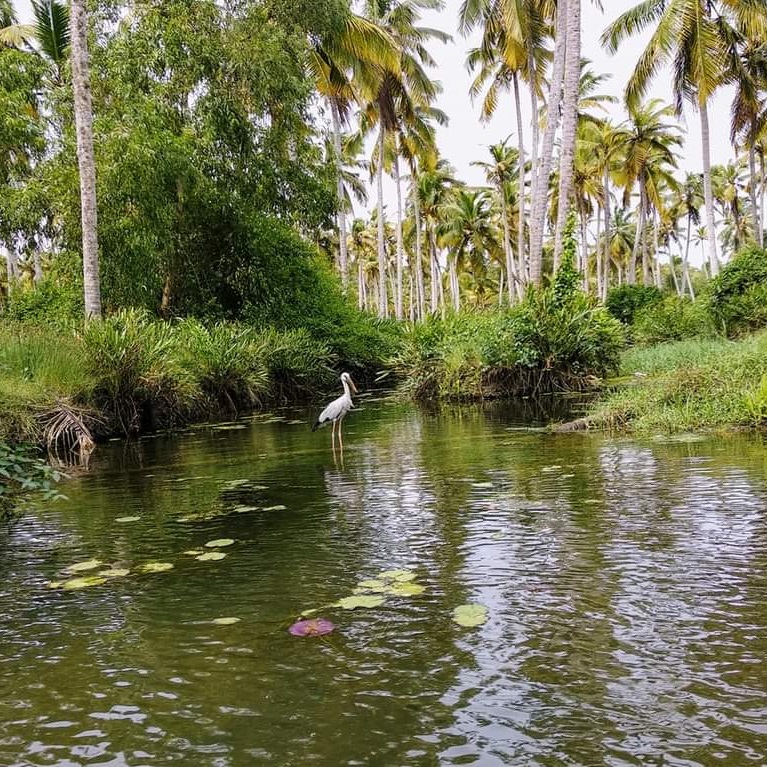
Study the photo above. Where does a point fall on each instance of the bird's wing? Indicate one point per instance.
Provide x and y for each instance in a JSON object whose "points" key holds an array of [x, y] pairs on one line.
{"points": [[331, 411]]}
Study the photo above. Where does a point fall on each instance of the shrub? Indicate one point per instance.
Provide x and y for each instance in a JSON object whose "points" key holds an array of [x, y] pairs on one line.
{"points": [[624, 301], [22, 469], [138, 380], [738, 295], [223, 362], [672, 319]]}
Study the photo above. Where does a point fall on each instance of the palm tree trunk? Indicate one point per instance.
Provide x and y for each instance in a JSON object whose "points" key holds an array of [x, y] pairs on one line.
{"points": [[85, 157], [569, 122], [541, 177], [685, 269], [606, 257], [656, 255], [361, 297], [454, 289], [383, 300], [632, 270], [521, 193], [598, 251], [510, 270], [752, 191], [400, 248], [434, 272], [343, 262], [762, 190], [420, 295], [534, 107], [11, 264], [707, 191]]}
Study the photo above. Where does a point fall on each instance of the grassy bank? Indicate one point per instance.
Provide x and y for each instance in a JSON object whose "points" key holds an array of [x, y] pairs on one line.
{"points": [[130, 373], [690, 385]]}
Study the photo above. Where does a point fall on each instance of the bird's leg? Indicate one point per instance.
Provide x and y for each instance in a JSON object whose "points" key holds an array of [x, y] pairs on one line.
{"points": [[333, 433], [340, 436]]}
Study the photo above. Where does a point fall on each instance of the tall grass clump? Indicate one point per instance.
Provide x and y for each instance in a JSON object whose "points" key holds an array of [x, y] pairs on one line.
{"points": [[673, 319], [556, 339], [138, 381], [225, 363], [691, 385]]}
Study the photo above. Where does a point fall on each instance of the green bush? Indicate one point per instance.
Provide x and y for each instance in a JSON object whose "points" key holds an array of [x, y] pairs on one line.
{"points": [[22, 469], [138, 380], [624, 301], [738, 296], [672, 319]]}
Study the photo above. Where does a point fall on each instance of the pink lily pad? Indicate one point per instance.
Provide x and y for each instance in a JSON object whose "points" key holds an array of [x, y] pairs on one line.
{"points": [[312, 627]]}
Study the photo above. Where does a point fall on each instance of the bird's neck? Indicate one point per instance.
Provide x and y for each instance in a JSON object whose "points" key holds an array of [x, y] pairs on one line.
{"points": [[347, 390]]}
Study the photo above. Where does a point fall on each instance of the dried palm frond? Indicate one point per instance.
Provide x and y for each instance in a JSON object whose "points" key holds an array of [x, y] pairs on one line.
{"points": [[69, 427]]}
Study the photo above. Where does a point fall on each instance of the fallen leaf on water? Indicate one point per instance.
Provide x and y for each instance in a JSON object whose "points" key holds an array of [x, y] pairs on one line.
{"points": [[219, 542], [470, 615]]}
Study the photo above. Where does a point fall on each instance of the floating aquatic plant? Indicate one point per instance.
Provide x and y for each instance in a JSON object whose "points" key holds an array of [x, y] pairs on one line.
{"points": [[155, 567], [312, 627], [114, 572], [406, 589], [127, 519], [219, 543], [82, 583], [362, 600], [225, 621], [81, 567], [211, 556], [278, 507], [194, 552], [470, 615]]}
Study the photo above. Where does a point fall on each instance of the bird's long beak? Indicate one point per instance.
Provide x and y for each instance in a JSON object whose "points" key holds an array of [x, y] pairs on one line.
{"points": [[351, 383]]}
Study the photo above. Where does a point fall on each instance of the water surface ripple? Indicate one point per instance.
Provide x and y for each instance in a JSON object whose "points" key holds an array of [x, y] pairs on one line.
{"points": [[626, 583]]}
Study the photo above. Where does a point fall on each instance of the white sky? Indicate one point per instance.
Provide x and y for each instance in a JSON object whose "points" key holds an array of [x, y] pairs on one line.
{"points": [[465, 139]]}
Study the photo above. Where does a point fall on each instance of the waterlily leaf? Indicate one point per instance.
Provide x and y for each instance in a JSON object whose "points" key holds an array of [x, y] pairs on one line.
{"points": [[127, 519], [407, 589], [155, 567], [194, 552], [225, 621], [114, 572], [54, 584], [83, 583], [352, 603], [404, 577], [242, 509], [220, 542], [482, 485], [80, 567], [230, 427], [371, 584], [278, 507], [395, 575], [470, 615], [211, 556]]}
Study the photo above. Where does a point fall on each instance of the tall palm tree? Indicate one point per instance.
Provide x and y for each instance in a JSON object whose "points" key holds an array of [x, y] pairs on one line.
{"points": [[648, 141], [470, 235], [345, 67], [85, 157], [397, 98], [689, 201], [500, 172], [698, 39]]}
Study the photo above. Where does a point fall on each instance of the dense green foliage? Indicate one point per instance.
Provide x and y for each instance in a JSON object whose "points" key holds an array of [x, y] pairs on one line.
{"points": [[688, 385], [624, 301], [672, 319], [556, 339], [22, 469], [738, 296]]}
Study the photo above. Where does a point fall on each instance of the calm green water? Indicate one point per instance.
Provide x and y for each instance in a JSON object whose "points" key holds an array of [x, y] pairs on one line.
{"points": [[626, 584]]}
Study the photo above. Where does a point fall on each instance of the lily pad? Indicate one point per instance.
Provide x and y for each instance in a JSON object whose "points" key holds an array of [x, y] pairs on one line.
{"points": [[225, 621], [83, 583], [470, 615], [352, 603], [371, 584], [407, 589], [114, 572], [81, 567], [155, 567], [314, 627], [278, 507], [395, 575], [54, 584], [219, 543], [194, 552], [127, 519], [211, 556]]}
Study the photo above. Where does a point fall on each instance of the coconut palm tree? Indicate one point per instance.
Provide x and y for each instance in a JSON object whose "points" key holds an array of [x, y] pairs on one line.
{"points": [[687, 205], [345, 67], [469, 233], [500, 172], [81, 86], [648, 142], [699, 39], [729, 187]]}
